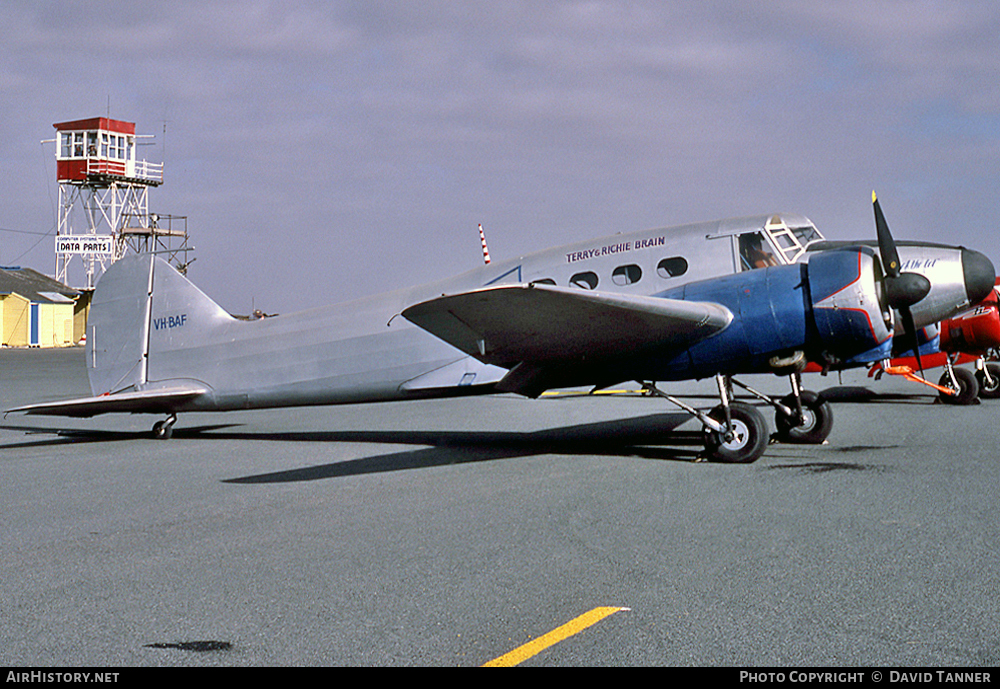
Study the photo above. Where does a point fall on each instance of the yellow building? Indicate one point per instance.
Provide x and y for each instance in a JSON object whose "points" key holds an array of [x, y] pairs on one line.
{"points": [[37, 311]]}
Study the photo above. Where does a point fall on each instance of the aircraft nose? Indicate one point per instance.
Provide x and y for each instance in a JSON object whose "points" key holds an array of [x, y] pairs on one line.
{"points": [[980, 275]]}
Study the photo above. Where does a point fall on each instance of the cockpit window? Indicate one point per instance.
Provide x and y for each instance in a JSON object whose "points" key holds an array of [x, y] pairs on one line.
{"points": [[755, 252], [792, 241]]}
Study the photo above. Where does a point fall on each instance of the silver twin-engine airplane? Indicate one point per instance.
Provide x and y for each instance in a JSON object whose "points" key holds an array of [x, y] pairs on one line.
{"points": [[715, 299]]}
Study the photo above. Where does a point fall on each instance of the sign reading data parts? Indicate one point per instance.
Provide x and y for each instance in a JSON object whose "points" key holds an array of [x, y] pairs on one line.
{"points": [[89, 245]]}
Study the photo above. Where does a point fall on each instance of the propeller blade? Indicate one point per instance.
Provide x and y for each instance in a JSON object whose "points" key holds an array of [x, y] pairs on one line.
{"points": [[910, 330], [903, 290], [886, 244]]}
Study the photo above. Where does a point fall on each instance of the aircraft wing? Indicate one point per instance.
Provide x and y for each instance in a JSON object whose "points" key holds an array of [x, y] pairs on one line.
{"points": [[534, 328], [156, 401]]}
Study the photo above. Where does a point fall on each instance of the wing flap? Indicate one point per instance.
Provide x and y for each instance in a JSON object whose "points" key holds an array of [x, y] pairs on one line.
{"points": [[543, 325], [157, 401]]}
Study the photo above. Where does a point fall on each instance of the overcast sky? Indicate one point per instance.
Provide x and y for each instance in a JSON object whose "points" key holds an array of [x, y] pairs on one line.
{"points": [[326, 150]]}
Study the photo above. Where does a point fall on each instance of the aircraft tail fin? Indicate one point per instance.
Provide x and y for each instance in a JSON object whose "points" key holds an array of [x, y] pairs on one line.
{"points": [[142, 312], [144, 320]]}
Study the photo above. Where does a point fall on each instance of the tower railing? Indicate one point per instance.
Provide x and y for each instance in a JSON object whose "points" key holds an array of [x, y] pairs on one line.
{"points": [[141, 169]]}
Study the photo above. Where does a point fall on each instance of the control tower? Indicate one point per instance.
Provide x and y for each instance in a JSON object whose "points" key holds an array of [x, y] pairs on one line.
{"points": [[104, 199]]}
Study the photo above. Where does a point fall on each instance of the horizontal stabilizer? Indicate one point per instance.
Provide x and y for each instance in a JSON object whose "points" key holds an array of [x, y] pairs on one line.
{"points": [[508, 325], [164, 400]]}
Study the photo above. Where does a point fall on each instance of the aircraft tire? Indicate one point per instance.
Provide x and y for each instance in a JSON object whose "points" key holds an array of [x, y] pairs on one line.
{"points": [[968, 387], [163, 430], [986, 390], [818, 420], [751, 435]]}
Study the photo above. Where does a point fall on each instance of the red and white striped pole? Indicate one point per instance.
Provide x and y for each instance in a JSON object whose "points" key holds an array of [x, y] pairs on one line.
{"points": [[486, 252]]}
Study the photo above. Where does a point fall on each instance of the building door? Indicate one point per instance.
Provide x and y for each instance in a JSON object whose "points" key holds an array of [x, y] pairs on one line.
{"points": [[33, 325]]}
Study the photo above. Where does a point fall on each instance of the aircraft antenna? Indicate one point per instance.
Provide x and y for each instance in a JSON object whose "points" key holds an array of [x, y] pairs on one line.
{"points": [[486, 251]]}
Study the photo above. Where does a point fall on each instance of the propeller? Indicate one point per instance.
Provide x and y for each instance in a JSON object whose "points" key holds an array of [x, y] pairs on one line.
{"points": [[902, 290]]}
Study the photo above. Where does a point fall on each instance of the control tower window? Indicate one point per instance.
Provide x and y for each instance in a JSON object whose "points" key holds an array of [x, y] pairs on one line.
{"points": [[114, 146], [88, 145]]}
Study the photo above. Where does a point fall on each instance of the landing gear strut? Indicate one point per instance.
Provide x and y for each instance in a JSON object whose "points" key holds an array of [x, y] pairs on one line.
{"points": [[735, 432], [162, 430]]}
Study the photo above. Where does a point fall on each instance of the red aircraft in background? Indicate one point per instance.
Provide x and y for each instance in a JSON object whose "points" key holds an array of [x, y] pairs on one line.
{"points": [[972, 336]]}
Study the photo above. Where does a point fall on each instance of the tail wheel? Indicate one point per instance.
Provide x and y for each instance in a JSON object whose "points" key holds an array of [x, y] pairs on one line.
{"points": [[816, 424], [750, 435], [989, 389], [968, 388], [163, 430]]}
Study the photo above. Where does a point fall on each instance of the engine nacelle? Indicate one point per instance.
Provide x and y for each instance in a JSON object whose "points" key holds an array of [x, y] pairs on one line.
{"points": [[848, 311], [975, 331], [829, 309], [960, 278]]}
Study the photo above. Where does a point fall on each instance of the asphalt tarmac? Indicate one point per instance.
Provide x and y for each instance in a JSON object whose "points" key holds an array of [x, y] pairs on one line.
{"points": [[448, 533]]}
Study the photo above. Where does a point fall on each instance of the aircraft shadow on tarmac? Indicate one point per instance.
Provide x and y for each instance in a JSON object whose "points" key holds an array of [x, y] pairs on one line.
{"points": [[857, 394], [63, 436], [654, 436], [651, 437], [648, 437]]}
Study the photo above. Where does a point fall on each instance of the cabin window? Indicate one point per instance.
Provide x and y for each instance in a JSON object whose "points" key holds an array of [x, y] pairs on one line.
{"points": [[626, 275], [543, 281], [671, 267], [587, 280]]}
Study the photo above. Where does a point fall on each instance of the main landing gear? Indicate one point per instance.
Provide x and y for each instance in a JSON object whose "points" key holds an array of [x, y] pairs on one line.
{"points": [[802, 417], [961, 385], [967, 387], [988, 377], [734, 431], [737, 432]]}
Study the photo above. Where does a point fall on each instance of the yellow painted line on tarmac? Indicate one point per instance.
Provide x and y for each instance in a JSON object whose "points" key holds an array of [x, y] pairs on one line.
{"points": [[533, 648], [583, 393]]}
